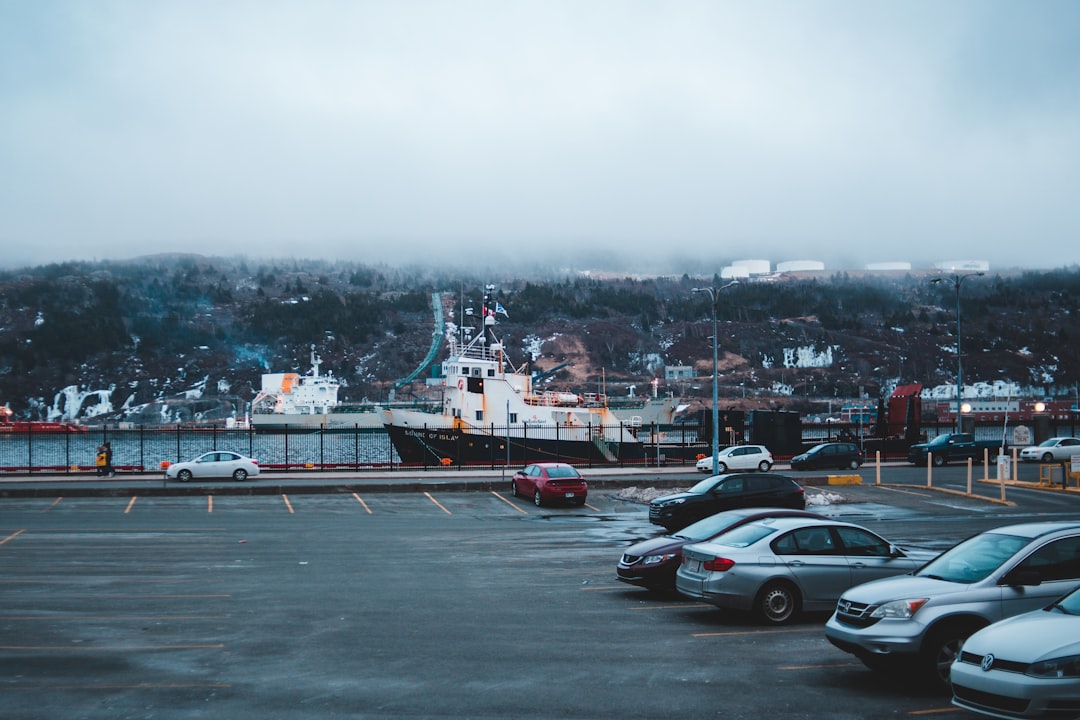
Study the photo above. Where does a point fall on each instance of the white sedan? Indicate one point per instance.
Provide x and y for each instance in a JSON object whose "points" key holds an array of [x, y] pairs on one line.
{"points": [[739, 457], [1026, 666], [216, 464], [1056, 449]]}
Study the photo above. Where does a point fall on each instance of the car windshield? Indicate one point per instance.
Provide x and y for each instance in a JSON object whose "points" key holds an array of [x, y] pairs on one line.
{"points": [[562, 472], [745, 535], [1070, 604], [1049, 443], [704, 529], [973, 559], [706, 485]]}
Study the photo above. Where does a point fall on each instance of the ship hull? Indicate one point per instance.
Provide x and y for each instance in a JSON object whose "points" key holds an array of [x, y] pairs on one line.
{"points": [[454, 447], [331, 421]]}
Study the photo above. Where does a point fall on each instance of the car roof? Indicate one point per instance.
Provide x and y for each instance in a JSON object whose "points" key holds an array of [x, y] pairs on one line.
{"points": [[1036, 529], [551, 464], [791, 523], [784, 524], [742, 474]]}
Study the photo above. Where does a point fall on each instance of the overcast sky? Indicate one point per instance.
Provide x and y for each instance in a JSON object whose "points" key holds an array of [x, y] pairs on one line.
{"points": [[643, 133]]}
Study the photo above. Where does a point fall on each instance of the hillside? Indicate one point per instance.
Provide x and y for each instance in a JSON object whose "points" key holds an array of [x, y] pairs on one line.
{"points": [[182, 338]]}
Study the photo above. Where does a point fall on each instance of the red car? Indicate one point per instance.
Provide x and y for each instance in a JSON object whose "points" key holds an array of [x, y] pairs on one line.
{"points": [[550, 482]]}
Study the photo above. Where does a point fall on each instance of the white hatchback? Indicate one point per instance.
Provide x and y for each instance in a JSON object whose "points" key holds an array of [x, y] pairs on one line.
{"points": [[1026, 666], [738, 457]]}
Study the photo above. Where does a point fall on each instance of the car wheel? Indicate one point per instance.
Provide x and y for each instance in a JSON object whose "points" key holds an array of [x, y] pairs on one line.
{"points": [[537, 499], [1047, 457], [764, 466], [721, 468], [239, 475], [939, 460], [941, 648], [513, 488], [777, 603], [184, 476], [854, 464]]}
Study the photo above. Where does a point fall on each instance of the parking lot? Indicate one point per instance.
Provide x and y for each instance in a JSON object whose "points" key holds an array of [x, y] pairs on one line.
{"points": [[408, 605]]}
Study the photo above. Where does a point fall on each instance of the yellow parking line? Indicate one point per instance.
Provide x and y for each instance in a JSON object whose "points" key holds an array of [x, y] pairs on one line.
{"points": [[935, 711], [287, 503], [12, 536], [756, 632], [209, 503], [131, 504], [594, 509], [826, 666], [55, 503], [437, 503], [523, 512], [361, 501], [695, 606]]}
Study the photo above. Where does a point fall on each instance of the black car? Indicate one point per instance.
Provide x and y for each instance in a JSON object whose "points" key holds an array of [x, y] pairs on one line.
{"points": [[829, 456], [726, 492]]}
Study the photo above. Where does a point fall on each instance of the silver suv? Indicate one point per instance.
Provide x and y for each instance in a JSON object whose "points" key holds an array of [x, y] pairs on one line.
{"points": [[923, 619]]}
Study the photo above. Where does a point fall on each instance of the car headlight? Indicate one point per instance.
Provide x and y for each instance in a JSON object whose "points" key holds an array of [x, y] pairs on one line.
{"points": [[678, 501], [899, 609], [656, 559], [1062, 667]]}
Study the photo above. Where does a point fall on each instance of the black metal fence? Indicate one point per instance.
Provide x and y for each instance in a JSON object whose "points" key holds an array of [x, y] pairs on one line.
{"points": [[149, 449]]}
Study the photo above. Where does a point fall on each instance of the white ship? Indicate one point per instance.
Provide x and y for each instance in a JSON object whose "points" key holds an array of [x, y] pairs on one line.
{"points": [[292, 400]]}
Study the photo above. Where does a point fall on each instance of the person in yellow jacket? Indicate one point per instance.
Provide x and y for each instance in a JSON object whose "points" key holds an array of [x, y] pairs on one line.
{"points": [[101, 461]]}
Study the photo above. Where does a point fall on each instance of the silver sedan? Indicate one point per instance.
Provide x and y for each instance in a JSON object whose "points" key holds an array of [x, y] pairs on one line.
{"points": [[216, 464], [778, 567], [1025, 666], [1056, 449]]}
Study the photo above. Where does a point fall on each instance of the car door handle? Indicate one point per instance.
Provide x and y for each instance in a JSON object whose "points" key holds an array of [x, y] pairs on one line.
{"points": [[796, 563]]}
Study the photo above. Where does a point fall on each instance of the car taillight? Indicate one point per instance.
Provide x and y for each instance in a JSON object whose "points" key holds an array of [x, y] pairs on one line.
{"points": [[718, 565]]}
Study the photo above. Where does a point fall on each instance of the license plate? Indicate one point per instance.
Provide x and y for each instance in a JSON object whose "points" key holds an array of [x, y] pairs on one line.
{"points": [[693, 566], [569, 494]]}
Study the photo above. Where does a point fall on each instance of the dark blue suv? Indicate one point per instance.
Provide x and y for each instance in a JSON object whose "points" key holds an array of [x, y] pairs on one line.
{"points": [[829, 456]]}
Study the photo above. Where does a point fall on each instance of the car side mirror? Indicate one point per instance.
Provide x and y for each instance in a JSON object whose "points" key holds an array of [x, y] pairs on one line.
{"points": [[1028, 578], [895, 551]]}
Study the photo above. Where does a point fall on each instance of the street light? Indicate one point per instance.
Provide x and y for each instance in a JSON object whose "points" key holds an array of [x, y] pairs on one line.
{"points": [[957, 281], [714, 295]]}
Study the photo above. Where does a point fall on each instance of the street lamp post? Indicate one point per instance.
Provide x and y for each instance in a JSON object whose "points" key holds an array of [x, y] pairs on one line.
{"points": [[957, 281], [714, 295]]}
